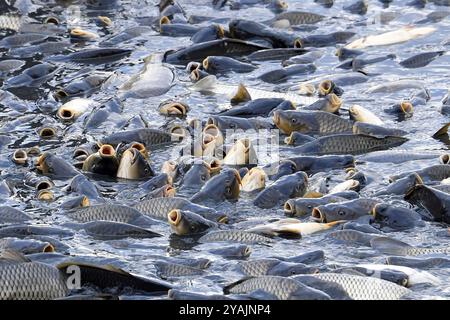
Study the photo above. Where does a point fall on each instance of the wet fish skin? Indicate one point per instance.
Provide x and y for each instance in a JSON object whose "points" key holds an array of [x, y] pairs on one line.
{"points": [[23, 230], [307, 122], [365, 288], [240, 251], [175, 294], [158, 208], [221, 187], [273, 267], [19, 279], [313, 164], [235, 236], [436, 202], [352, 237], [299, 17], [258, 107], [233, 123], [81, 185], [25, 246], [376, 130], [419, 263], [277, 54], [399, 156], [396, 218], [282, 288], [421, 60], [392, 246], [148, 137], [349, 144], [12, 215], [311, 257], [55, 167], [208, 33], [297, 139], [108, 230], [218, 64], [347, 210], [401, 186], [432, 173], [94, 56], [186, 223], [300, 207], [109, 277], [290, 186], [33, 76], [110, 212], [325, 40], [334, 290], [199, 51], [283, 74], [167, 270]]}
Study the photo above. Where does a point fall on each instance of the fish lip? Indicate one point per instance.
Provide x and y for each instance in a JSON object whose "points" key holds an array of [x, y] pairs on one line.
{"points": [[52, 20], [445, 158], [174, 217], [105, 20], [178, 132], [237, 176], [139, 147], [61, 94], [45, 195], [65, 114], [318, 215], [289, 209], [47, 132], [164, 20], [223, 219], [374, 210], [49, 248], [298, 43], [174, 108], [406, 107], [107, 151], [41, 161], [205, 63], [276, 118], [85, 202], [195, 75], [44, 184], [20, 156], [220, 31], [169, 191], [325, 87], [335, 101]]}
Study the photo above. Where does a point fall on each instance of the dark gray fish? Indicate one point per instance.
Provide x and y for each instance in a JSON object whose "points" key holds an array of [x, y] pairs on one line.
{"points": [[112, 278], [94, 56], [347, 210], [47, 48], [290, 186], [299, 17], [300, 207], [127, 35], [259, 107], [421, 59], [84, 87], [226, 122], [358, 7], [419, 263], [311, 257], [221, 187], [223, 47], [283, 74], [80, 184], [297, 139], [437, 172], [392, 246], [8, 66], [376, 130], [356, 64], [22, 39], [23, 230], [239, 251], [186, 223], [396, 218], [401, 186], [334, 290], [436, 202], [55, 167], [208, 33], [286, 167], [308, 57], [312, 164], [222, 65], [25, 246], [33, 76], [324, 40], [108, 230], [166, 270]]}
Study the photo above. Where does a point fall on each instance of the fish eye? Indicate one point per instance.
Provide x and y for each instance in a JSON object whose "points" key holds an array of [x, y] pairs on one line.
{"points": [[203, 177], [310, 206], [293, 272], [293, 120], [232, 126], [341, 212]]}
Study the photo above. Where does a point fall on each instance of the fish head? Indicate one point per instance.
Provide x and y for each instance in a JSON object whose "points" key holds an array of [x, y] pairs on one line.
{"points": [[332, 212], [197, 175], [187, 223], [133, 165], [255, 179]]}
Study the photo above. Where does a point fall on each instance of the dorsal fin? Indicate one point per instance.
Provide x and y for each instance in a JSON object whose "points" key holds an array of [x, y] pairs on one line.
{"points": [[241, 95]]}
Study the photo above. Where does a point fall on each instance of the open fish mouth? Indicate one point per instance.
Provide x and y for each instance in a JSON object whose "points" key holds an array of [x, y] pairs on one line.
{"points": [[174, 108], [318, 215], [66, 114], [289, 208], [20, 156], [107, 151], [47, 132], [325, 87], [174, 217]]}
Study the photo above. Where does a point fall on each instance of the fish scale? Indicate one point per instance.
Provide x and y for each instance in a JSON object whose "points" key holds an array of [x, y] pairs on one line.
{"points": [[235, 236], [36, 281], [115, 213], [365, 288]]}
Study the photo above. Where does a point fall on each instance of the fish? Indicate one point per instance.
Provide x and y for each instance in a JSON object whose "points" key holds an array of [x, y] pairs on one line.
{"points": [[208, 33], [420, 60], [221, 187], [392, 37], [110, 212], [273, 267], [81, 185], [314, 164], [282, 288], [106, 277], [323, 40], [22, 39], [396, 218], [241, 153], [437, 172], [74, 108], [238, 236], [395, 86], [153, 80], [25, 246], [299, 17], [134, 166], [349, 144], [414, 276], [308, 57], [158, 208], [277, 54], [12, 215], [239, 251], [166, 270], [147, 136], [283, 74], [55, 167], [311, 122], [375, 130], [350, 236], [255, 179], [392, 246], [200, 51], [419, 263], [236, 93], [185, 223], [358, 7], [350, 184], [365, 288], [33, 76], [84, 87], [347, 210], [300, 207], [397, 156], [18, 279], [93, 56], [290, 186], [258, 107], [401, 186], [110, 230], [434, 201], [218, 64], [104, 162], [331, 103]]}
